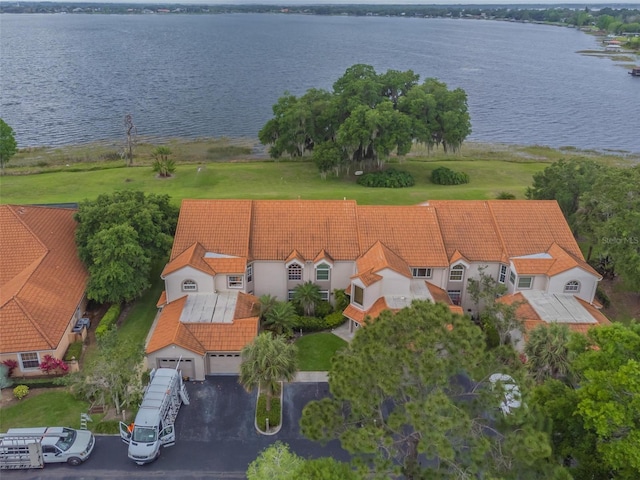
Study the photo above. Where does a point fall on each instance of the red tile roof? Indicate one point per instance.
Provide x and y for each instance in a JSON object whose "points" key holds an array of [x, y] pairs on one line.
{"points": [[206, 337], [379, 257], [42, 280]]}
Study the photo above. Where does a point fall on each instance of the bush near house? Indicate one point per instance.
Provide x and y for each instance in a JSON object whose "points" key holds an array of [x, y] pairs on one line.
{"points": [[273, 415], [73, 352], [334, 320], [390, 178], [21, 391], [110, 318], [446, 176]]}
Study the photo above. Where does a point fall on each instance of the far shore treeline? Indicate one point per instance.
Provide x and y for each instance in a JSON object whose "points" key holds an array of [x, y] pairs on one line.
{"points": [[619, 19]]}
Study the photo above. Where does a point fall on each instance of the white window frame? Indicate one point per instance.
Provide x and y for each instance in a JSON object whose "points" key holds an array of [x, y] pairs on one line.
{"points": [[572, 286], [502, 274], [235, 281], [522, 286], [512, 278], [290, 295], [324, 295], [323, 267], [293, 271], [23, 360], [189, 285], [421, 272], [456, 269], [353, 298], [250, 273]]}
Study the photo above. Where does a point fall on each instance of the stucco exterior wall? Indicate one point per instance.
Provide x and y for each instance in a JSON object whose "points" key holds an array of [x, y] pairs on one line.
{"points": [[173, 282], [588, 283]]}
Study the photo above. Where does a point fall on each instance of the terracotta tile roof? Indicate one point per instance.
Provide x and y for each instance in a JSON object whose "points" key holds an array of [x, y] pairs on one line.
{"points": [[468, 226], [206, 337], [410, 231], [556, 261], [367, 277], [278, 227], [294, 255], [495, 230], [373, 312], [42, 280], [227, 265], [440, 295], [162, 300], [323, 255], [379, 257], [192, 257], [221, 226], [532, 266]]}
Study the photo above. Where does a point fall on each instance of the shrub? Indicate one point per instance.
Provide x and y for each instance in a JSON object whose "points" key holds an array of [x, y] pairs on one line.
{"points": [[73, 352], [110, 318], [262, 414], [11, 365], [323, 308], [334, 320], [506, 196], [390, 178], [342, 299], [52, 365], [21, 391], [309, 324], [446, 176]]}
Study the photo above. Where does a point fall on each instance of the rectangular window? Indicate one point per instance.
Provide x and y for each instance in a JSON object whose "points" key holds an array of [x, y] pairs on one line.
{"points": [[525, 282], [512, 278], [455, 296], [235, 281], [358, 295], [250, 273], [502, 277], [290, 294], [29, 360], [420, 272], [456, 273], [295, 272], [324, 295], [322, 273]]}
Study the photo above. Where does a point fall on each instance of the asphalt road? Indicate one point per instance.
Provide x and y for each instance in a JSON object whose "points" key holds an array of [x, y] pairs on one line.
{"points": [[216, 439]]}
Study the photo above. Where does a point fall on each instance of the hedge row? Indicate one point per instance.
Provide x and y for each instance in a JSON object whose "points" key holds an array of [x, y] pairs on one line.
{"points": [[390, 178], [110, 318], [315, 324], [446, 176]]}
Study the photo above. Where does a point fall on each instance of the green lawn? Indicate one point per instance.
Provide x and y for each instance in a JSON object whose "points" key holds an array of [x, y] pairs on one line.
{"points": [[315, 351], [52, 408]]}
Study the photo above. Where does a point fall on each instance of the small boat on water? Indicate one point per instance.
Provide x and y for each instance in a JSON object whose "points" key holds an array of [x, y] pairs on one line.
{"points": [[635, 72]]}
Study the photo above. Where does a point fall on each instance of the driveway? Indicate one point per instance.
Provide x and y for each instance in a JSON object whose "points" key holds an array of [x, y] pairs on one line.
{"points": [[216, 438]]}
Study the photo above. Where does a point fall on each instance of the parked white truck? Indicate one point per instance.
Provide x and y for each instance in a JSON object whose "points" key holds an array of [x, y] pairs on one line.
{"points": [[33, 447], [154, 423]]}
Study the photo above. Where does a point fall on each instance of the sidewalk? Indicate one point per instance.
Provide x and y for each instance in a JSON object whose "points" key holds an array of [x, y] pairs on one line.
{"points": [[311, 377], [343, 332]]}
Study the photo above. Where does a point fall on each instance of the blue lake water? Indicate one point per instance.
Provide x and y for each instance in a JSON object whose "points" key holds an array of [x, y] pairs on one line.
{"points": [[68, 79]]}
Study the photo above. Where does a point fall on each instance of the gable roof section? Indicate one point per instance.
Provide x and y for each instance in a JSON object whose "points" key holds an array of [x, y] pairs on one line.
{"points": [[207, 336], [280, 226], [552, 262], [221, 226], [410, 231], [42, 278], [379, 257], [191, 257]]}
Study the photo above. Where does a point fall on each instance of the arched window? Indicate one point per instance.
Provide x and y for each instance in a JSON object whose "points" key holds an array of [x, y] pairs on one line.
{"points": [[572, 287], [295, 272], [189, 286], [322, 272]]}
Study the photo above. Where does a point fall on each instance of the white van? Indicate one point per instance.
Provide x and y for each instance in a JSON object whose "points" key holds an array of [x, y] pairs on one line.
{"points": [[33, 447]]}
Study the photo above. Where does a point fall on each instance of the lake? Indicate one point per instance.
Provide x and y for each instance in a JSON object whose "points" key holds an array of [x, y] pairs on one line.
{"points": [[68, 79]]}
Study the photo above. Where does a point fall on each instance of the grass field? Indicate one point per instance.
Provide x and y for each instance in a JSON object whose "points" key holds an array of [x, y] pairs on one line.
{"points": [[222, 169]]}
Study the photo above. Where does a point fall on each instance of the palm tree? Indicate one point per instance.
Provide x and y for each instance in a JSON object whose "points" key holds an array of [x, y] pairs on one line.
{"points": [[280, 318], [307, 296], [548, 353], [163, 165], [267, 302], [266, 362]]}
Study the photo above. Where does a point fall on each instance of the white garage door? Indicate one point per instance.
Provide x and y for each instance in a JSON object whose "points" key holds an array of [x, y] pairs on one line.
{"points": [[224, 363], [187, 365]]}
